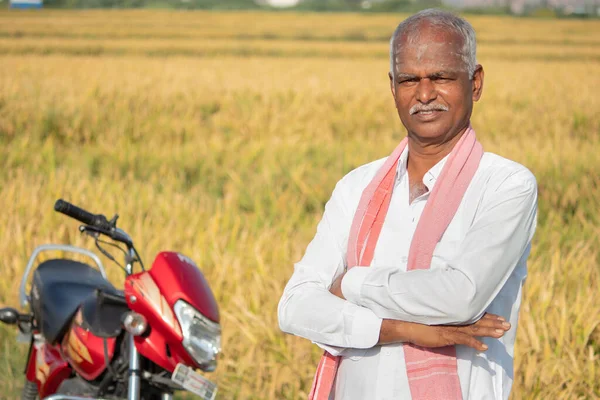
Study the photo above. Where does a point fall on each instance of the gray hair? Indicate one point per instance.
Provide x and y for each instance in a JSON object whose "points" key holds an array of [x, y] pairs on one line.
{"points": [[442, 19]]}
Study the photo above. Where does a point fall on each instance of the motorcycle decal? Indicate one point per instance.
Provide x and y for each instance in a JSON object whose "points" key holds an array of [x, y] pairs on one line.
{"points": [[76, 349], [147, 287], [42, 369]]}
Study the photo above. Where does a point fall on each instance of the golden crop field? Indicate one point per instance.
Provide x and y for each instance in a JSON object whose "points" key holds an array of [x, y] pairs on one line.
{"points": [[222, 135]]}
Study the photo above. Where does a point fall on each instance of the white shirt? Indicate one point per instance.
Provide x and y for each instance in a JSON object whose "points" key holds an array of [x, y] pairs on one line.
{"points": [[479, 265]]}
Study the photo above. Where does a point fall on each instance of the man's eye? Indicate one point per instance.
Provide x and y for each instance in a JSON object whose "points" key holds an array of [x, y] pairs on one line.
{"points": [[441, 79], [408, 82]]}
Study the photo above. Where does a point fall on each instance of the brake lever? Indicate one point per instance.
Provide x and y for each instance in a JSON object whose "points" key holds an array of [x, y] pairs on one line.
{"points": [[90, 231], [115, 234]]}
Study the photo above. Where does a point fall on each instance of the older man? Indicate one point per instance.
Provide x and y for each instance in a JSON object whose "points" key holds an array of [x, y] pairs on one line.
{"points": [[414, 249]]}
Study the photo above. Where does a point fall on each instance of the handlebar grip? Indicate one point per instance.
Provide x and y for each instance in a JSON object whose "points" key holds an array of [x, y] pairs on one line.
{"points": [[98, 221]]}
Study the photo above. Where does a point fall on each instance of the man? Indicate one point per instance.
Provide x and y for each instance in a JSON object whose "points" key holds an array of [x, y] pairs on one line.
{"points": [[414, 249]]}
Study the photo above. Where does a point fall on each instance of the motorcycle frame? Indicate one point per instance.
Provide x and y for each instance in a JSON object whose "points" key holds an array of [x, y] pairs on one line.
{"points": [[134, 372]]}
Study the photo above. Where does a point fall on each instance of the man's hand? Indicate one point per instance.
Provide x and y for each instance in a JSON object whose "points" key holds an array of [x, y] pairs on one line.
{"points": [[336, 287], [489, 325]]}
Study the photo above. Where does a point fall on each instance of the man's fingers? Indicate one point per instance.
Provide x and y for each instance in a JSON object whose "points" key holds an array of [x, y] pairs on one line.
{"points": [[491, 323], [493, 317], [468, 340], [483, 331], [486, 328]]}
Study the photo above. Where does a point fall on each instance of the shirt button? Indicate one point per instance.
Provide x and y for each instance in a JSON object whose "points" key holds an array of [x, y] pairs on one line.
{"points": [[387, 352]]}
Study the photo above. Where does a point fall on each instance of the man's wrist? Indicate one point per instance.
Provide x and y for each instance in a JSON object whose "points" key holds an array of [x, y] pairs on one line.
{"points": [[394, 331]]}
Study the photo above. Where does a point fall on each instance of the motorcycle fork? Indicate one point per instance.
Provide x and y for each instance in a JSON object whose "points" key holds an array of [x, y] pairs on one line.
{"points": [[134, 373], [133, 386]]}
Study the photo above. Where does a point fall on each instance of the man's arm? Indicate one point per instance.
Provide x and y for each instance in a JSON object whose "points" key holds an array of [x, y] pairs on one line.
{"points": [[490, 325], [307, 308], [460, 291]]}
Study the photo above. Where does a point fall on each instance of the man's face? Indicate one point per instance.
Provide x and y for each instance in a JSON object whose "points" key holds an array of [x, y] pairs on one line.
{"points": [[431, 86]]}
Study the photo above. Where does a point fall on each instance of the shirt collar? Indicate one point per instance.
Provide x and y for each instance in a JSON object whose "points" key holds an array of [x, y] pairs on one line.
{"points": [[430, 176]]}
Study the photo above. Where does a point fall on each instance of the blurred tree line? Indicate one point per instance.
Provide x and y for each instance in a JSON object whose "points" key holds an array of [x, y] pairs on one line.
{"points": [[191, 4], [305, 5], [368, 5]]}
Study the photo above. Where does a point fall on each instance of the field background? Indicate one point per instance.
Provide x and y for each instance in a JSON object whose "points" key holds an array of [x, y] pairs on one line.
{"points": [[222, 135]]}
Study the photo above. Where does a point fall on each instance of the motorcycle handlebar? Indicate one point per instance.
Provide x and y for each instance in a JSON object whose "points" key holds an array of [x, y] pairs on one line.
{"points": [[96, 220]]}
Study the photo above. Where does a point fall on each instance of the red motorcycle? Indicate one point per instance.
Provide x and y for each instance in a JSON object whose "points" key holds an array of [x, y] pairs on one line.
{"points": [[89, 340]]}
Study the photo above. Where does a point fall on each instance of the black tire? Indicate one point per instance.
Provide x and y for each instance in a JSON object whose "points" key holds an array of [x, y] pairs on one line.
{"points": [[30, 391]]}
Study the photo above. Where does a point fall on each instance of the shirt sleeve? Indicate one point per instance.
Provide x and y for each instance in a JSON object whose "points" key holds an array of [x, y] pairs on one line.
{"points": [[461, 289], [307, 308]]}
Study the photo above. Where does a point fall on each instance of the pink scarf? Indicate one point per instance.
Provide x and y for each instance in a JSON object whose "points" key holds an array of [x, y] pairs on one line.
{"points": [[432, 373]]}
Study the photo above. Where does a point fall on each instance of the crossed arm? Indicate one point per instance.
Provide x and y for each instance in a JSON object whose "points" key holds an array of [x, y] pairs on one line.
{"points": [[383, 304]]}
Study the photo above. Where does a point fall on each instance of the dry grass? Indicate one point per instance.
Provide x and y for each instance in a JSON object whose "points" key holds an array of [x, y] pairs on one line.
{"points": [[229, 155]]}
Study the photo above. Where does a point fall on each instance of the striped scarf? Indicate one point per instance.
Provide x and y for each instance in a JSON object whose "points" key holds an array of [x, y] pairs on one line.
{"points": [[432, 373]]}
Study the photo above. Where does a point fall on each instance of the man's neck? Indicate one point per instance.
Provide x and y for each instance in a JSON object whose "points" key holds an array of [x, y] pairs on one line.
{"points": [[422, 156]]}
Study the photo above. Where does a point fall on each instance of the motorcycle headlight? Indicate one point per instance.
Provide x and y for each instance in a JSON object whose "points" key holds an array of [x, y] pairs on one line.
{"points": [[201, 336]]}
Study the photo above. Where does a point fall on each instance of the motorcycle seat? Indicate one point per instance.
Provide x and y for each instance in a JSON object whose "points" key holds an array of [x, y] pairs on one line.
{"points": [[59, 287]]}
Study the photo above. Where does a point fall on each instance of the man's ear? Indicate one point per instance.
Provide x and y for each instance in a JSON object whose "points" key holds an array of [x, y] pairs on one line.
{"points": [[392, 86], [478, 82]]}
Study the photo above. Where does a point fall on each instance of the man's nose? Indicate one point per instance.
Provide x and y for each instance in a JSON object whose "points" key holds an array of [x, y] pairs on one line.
{"points": [[426, 92]]}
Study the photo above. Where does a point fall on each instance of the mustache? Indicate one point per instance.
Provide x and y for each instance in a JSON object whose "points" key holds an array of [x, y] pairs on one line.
{"points": [[427, 107]]}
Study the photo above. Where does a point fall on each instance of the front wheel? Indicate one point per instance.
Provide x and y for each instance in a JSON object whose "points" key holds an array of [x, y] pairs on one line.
{"points": [[30, 391]]}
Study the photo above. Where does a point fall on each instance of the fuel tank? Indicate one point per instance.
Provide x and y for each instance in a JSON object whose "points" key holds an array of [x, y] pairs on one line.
{"points": [[84, 351]]}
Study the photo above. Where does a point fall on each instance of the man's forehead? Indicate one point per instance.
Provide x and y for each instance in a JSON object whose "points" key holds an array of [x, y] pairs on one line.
{"points": [[429, 56], [437, 49]]}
